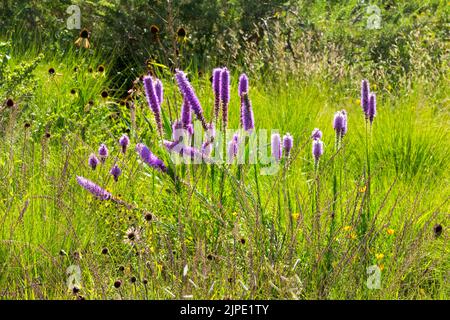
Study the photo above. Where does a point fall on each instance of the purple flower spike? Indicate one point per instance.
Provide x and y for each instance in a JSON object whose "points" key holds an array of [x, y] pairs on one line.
{"points": [[372, 107], [115, 172], [339, 123], [276, 146], [288, 142], [345, 128], [365, 91], [124, 141], [189, 95], [183, 150], [149, 158], [225, 94], [152, 101], [248, 120], [317, 149], [159, 91], [93, 161], [216, 89], [96, 190], [316, 134], [103, 152], [186, 118], [233, 148], [207, 148], [243, 84]]}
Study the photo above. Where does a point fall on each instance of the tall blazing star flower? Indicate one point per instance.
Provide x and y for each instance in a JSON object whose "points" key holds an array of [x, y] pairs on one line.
{"points": [[124, 141], [372, 107], [288, 142], [115, 172], [365, 91], [183, 150], [316, 134], [276, 146], [94, 189], [186, 118], [149, 158], [103, 152], [317, 149], [233, 148], [152, 101], [189, 95], [159, 91], [339, 123], [248, 120], [243, 90], [93, 161], [216, 89], [225, 94]]}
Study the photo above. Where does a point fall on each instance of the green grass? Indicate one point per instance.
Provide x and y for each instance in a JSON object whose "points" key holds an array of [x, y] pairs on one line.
{"points": [[234, 248]]}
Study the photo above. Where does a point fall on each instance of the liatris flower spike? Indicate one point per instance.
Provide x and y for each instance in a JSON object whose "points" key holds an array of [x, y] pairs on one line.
{"points": [[276, 146], [124, 141], [316, 134], [103, 152], [345, 128], [233, 148], [248, 120], [96, 190], [115, 172], [243, 84], [317, 149], [339, 124], [365, 91], [149, 158], [93, 161], [159, 91], [186, 118], [288, 142], [372, 107], [152, 101], [225, 94], [216, 89], [189, 95]]}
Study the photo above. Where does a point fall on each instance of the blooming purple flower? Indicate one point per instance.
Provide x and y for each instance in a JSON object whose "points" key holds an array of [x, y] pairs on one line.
{"points": [[345, 128], [316, 134], [339, 123], [248, 120], [149, 158], [103, 152], [225, 94], [216, 89], [93, 161], [96, 190], [159, 91], [115, 172], [189, 95], [179, 132], [317, 149], [288, 142], [372, 107], [233, 148], [276, 146], [124, 141], [152, 101], [365, 91], [183, 149], [207, 148], [243, 84], [186, 118]]}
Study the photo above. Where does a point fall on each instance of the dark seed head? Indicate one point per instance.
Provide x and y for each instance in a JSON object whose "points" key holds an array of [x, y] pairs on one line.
{"points": [[47, 135], [242, 240], [84, 34], [437, 229], [148, 216], [80, 297], [10, 103], [131, 236], [121, 268], [154, 29], [105, 251], [75, 290], [133, 279], [145, 281], [51, 71], [75, 69], [73, 91], [104, 94], [27, 125], [209, 257], [181, 32], [91, 103], [101, 68], [90, 70], [117, 284]]}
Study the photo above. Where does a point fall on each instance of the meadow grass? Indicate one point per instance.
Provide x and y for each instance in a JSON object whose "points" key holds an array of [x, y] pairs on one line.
{"points": [[248, 237]]}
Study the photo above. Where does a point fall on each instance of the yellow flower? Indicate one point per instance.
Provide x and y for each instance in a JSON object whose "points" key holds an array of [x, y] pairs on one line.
{"points": [[295, 216], [348, 228], [234, 213], [358, 102], [379, 256], [381, 266], [363, 189], [374, 87], [351, 236], [390, 231]]}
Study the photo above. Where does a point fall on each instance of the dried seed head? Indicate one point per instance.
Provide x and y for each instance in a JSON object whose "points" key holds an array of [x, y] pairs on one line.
{"points": [[117, 284]]}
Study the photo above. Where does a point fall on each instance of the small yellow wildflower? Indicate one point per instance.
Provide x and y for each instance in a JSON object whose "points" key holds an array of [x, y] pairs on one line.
{"points": [[390, 231], [358, 102], [234, 213], [351, 236], [363, 189], [379, 256], [295, 216], [381, 266], [348, 228]]}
